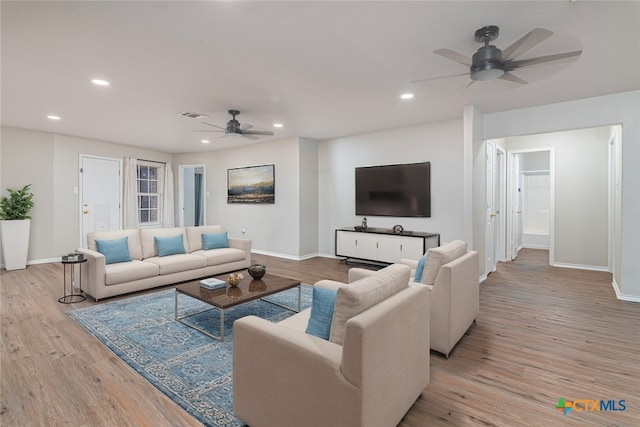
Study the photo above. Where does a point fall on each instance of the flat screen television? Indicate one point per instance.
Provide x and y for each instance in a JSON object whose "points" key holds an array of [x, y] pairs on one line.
{"points": [[402, 190]]}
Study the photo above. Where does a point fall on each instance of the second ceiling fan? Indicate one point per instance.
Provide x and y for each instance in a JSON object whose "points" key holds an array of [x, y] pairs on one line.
{"points": [[234, 127], [490, 62]]}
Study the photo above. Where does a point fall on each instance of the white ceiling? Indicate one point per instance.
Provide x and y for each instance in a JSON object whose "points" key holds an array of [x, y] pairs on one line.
{"points": [[323, 69]]}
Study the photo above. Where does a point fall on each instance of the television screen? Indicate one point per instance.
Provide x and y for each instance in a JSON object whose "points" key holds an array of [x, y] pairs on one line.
{"points": [[394, 190]]}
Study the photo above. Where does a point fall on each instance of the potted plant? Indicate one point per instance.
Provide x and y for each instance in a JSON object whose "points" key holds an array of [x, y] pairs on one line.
{"points": [[14, 227]]}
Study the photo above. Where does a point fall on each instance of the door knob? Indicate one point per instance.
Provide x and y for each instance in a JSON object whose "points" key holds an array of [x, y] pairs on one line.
{"points": [[86, 211]]}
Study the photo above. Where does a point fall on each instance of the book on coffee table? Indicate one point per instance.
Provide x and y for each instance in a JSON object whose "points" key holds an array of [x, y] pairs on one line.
{"points": [[213, 283]]}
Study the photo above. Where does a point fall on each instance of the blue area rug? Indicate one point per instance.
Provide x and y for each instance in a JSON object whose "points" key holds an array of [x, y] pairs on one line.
{"points": [[192, 369]]}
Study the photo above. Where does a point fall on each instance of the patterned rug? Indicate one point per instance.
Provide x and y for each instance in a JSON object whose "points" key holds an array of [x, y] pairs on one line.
{"points": [[192, 369]]}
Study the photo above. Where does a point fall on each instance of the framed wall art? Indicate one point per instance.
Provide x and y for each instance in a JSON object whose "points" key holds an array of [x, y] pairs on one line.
{"points": [[251, 184]]}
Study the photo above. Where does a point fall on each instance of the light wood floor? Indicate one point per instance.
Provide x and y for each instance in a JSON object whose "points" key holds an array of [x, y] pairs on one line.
{"points": [[542, 333]]}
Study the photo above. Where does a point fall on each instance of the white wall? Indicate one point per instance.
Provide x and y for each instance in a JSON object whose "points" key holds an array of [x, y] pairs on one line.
{"points": [[439, 143], [308, 197], [50, 162], [272, 228], [622, 108]]}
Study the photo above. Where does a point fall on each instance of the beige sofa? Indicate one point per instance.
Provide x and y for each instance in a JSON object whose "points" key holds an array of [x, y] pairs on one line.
{"points": [[452, 275], [369, 373], [148, 270]]}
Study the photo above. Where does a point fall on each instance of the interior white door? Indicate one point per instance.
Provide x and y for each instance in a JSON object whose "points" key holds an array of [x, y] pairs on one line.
{"points": [[101, 195], [516, 205], [490, 210]]}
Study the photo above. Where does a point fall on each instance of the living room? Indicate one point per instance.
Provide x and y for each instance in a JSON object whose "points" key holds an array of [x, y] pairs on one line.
{"points": [[314, 176]]}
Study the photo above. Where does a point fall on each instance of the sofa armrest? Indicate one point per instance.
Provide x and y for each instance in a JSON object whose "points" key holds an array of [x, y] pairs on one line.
{"points": [[243, 244], [282, 376], [93, 272], [359, 273]]}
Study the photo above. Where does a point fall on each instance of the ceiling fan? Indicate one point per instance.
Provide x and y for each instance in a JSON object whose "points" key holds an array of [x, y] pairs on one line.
{"points": [[234, 127], [490, 63]]}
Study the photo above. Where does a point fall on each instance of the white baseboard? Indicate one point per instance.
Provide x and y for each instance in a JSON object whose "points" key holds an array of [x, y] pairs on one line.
{"points": [[532, 246], [580, 266], [621, 296], [291, 257]]}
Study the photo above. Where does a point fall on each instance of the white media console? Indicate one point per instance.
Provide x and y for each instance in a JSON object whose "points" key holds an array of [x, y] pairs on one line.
{"points": [[383, 245]]}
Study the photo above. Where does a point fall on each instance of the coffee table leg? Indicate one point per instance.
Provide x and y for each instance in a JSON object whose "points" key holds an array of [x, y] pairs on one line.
{"points": [[221, 324], [299, 298]]}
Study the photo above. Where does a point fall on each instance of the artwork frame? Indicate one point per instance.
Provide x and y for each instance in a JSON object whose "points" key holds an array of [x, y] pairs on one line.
{"points": [[251, 185]]}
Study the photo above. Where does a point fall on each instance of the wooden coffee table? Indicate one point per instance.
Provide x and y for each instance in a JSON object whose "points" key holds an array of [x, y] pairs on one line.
{"points": [[249, 289]]}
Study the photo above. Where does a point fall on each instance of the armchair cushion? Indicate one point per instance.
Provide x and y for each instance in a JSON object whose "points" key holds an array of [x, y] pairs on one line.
{"points": [[362, 294], [417, 277], [440, 256], [321, 312]]}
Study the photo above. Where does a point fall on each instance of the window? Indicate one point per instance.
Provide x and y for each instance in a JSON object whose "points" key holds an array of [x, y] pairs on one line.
{"points": [[149, 194]]}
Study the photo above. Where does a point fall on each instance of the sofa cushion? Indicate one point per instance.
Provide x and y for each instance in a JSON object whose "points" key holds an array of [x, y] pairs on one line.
{"points": [[169, 245], [222, 255], [322, 306], [358, 296], [129, 271], [214, 240], [148, 242], [133, 236], [440, 256], [115, 250], [177, 263], [194, 235]]}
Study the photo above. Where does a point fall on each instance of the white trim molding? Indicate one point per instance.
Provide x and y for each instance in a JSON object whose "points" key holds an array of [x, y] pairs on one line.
{"points": [[623, 297]]}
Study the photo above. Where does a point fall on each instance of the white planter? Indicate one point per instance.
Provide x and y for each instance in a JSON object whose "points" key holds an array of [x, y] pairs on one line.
{"points": [[15, 243]]}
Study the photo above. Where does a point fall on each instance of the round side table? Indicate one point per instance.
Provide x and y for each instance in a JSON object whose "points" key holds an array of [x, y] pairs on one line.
{"points": [[71, 297]]}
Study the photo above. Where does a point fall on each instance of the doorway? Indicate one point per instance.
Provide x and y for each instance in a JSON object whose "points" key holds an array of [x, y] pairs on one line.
{"points": [[101, 195], [192, 197], [563, 194]]}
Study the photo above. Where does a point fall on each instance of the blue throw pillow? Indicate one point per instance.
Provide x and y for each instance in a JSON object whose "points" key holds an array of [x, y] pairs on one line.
{"points": [[214, 241], [116, 250], [417, 277], [170, 245], [324, 301]]}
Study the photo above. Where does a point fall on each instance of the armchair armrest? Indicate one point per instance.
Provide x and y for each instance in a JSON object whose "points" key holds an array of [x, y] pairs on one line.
{"points": [[285, 377], [359, 273], [93, 272], [412, 263]]}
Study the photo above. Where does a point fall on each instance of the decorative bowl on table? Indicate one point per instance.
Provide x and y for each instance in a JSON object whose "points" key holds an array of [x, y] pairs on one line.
{"points": [[257, 271]]}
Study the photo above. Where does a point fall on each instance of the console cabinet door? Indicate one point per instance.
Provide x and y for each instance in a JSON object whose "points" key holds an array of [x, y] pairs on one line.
{"points": [[346, 244], [412, 247]]}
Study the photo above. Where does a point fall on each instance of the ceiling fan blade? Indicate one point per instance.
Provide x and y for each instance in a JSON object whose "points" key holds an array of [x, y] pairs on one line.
{"points": [[454, 56], [542, 60], [512, 78], [526, 42], [196, 130], [215, 126], [439, 77], [251, 137], [245, 126], [257, 132]]}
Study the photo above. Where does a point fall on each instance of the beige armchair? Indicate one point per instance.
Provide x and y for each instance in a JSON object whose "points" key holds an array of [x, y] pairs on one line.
{"points": [[452, 275], [283, 376]]}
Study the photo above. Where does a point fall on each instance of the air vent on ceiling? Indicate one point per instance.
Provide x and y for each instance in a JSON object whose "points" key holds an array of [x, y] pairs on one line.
{"points": [[192, 115]]}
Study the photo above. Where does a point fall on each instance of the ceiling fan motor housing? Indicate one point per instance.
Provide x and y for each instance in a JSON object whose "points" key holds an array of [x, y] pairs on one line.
{"points": [[487, 63]]}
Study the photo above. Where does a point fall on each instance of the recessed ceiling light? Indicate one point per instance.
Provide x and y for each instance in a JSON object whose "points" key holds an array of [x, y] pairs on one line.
{"points": [[277, 125], [406, 96], [100, 82], [205, 141], [52, 117]]}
